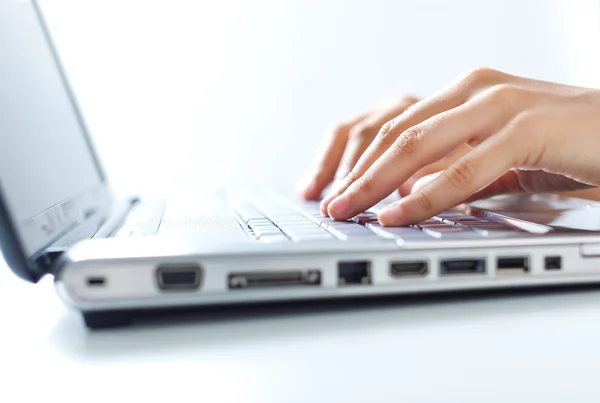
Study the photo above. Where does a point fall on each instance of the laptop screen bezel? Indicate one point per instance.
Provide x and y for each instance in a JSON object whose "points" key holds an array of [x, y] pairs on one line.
{"points": [[33, 266]]}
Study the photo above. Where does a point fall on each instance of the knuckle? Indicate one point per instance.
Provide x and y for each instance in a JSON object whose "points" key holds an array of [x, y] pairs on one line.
{"points": [[503, 94], [423, 201], [409, 100], [479, 76], [526, 124], [461, 175], [362, 131], [387, 129], [365, 184], [387, 132], [409, 141], [350, 178], [532, 142]]}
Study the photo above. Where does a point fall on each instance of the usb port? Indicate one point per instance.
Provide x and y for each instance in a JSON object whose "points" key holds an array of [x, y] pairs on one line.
{"points": [[408, 269], [462, 266], [513, 265]]}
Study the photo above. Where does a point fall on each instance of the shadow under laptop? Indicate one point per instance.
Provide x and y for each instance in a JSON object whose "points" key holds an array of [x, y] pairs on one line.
{"points": [[211, 329]]}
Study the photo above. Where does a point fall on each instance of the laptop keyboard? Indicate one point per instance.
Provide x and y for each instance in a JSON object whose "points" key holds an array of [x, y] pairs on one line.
{"points": [[274, 221]]}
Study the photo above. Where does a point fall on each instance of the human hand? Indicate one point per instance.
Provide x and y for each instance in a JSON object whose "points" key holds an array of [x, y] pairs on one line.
{"points": [[345, 143], [524, 136]]}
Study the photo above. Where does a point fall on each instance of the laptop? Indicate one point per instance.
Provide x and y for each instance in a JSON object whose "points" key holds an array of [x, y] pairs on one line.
{"points": [[112, 257]]}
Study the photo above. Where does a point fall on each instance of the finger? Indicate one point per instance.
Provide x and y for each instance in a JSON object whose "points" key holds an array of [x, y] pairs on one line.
{"points": [[386, 136], [430, 170], [360, 137], [451, 97], [363, 133], [482, 166], [327, 161], [420, 146]]}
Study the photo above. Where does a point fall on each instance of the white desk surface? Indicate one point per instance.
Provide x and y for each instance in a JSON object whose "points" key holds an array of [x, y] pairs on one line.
{"points": [[523, 348]]}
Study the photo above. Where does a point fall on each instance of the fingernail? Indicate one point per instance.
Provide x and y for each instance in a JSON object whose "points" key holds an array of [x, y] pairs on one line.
{"points": [[391, 215], [339, 206], [325, 203]]}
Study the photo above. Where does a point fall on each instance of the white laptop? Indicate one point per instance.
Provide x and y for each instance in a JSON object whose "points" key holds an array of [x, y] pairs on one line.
{"points": [[112, 259]]}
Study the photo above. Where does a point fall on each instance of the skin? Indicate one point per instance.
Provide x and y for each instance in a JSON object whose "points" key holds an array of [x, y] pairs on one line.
{"points": [[487, 133]]}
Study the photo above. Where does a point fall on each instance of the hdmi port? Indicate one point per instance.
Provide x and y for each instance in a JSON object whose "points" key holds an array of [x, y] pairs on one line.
{"points": [[408, 269], [462, 266], [264, 279]]}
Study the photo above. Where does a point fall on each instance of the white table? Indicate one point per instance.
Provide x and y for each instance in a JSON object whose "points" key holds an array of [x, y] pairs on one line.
{"points": [[526, 348]]}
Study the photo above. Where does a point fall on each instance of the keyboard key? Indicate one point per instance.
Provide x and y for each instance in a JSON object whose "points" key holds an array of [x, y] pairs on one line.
{"points": [[483, 225], [267, 224], [256, 221], [273, 238], [432, 221], [247, 212], [451, 214], [443, 232], [324, 236], [326, 222], [267, 231], [291, 220], [456, 235], [438, 224], [305, 223], [365, 217], [405, 233], [354, 234], [343, 224], [467, 219], [304, 230], [302, 227]]}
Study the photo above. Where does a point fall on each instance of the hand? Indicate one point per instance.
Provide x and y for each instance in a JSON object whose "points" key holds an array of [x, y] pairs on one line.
{"points": [[346, 142], [524, 136]]}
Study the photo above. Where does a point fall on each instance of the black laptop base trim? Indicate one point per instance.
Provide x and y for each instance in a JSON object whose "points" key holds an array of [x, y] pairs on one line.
{"points": [[105, 320]]}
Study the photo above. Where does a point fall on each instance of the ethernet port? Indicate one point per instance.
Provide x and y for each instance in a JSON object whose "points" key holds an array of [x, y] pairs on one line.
{"points": [[354, 273]]}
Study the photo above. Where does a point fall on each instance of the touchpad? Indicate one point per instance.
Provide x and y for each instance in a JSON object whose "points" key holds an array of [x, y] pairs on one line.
{"points": [[551, 210]]}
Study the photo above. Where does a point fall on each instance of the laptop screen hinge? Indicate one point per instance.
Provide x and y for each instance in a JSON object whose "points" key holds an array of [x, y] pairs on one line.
{"points": [[47, 260]]}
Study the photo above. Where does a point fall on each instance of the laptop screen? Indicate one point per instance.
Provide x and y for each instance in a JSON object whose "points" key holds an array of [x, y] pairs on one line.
{"points": [[49, 178]]}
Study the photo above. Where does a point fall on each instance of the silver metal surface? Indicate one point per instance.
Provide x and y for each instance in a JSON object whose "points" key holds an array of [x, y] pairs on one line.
{"points": [[129, 265]]}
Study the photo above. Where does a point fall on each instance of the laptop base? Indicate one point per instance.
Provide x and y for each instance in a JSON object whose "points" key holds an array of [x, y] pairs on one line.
{"points": [[113, 319]]}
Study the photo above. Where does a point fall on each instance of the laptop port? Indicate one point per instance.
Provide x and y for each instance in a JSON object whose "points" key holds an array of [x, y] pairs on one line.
{"points": [[553, 263], [95, 281], [408, 269], [462, 266], [264, 279], [353, 273], [512, 265], [179, 277]]}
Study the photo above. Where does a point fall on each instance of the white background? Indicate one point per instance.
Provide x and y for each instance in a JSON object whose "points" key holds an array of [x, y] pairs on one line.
{"points": [[195, 94], [189, 94]]}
